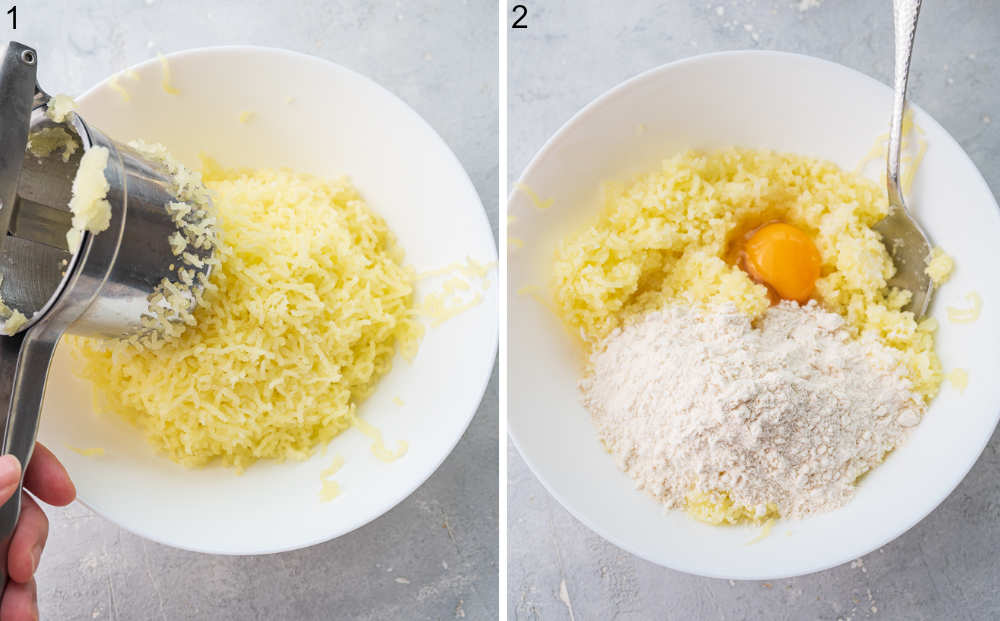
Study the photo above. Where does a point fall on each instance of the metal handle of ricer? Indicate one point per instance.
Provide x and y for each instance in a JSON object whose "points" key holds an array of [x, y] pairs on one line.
{"points": [[24, 364], [904, 20], [24, 357]]}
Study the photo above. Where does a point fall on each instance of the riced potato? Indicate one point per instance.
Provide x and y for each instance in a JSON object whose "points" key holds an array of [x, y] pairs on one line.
{"points": [[939, 266], [306, 312]]}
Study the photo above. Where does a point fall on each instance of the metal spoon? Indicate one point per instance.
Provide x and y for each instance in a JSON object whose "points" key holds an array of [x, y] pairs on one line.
{"points": [[906, 242]]}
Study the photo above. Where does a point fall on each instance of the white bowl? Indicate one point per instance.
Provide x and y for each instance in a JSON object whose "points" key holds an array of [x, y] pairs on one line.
{"points": [[338, 122], [764, 100]]}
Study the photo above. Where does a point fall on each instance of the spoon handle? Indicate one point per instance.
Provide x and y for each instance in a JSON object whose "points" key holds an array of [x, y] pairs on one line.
{"points": [[904, 13]]}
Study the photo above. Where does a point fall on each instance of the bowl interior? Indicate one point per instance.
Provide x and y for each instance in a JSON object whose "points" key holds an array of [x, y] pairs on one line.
{"points": [[312, 116], [762, 100]]}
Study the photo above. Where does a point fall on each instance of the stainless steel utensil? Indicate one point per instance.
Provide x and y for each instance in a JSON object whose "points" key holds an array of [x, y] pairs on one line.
{"points": [[102, 289], [906, 241]]}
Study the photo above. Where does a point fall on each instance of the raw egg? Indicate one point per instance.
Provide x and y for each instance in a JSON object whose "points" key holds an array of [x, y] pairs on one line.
{"points": [[785, 258]]}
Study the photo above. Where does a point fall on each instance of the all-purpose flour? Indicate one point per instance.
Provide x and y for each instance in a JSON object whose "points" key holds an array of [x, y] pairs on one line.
{"points": [[790, 412]]}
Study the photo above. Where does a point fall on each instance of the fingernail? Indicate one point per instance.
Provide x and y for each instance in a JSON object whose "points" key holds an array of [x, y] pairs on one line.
{"points": [[34, 600], [10, 475], [36, 558]]}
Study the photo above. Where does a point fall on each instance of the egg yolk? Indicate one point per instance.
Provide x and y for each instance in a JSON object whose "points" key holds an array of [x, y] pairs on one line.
{"points": [[784, 258]]}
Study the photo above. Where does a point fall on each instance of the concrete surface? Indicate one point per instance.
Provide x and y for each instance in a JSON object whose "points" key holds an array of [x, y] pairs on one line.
{"points": [[440, 57], [571, 52]]}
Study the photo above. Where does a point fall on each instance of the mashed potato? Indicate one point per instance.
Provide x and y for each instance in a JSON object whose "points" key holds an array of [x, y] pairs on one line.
{"points": [[939, 266], [305, 314], [717, 508], [666, 237]]}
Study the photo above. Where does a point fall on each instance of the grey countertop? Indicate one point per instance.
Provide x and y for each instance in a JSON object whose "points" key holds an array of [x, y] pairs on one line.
{"points": [[441, 58], [572, 51]]}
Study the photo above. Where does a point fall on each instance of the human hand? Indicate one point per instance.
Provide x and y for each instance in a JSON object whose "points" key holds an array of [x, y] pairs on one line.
{"points": [[48, 480]]}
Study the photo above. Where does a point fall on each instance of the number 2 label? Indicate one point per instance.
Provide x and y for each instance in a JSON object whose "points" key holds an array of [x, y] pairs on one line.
{"points": [[521, 11]]}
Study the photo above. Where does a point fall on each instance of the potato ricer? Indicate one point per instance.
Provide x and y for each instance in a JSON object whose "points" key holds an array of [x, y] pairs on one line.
{"points": [[108, 287]]}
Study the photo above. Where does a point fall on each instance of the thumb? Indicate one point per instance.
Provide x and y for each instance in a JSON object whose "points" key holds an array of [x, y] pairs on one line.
{"points": [[10, 476]]}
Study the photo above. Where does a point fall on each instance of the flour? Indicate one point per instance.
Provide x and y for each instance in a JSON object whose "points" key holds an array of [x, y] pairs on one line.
{"points": [[790, 412]]}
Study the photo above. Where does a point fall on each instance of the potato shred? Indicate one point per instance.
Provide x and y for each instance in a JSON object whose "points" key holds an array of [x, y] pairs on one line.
{"points": [[301, 320]]}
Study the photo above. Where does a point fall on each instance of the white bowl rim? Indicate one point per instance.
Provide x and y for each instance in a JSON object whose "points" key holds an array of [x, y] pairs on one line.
{"points": [[579, 117], [423, 477]]}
